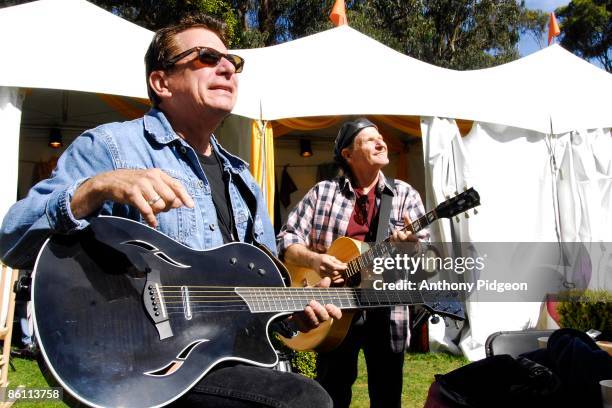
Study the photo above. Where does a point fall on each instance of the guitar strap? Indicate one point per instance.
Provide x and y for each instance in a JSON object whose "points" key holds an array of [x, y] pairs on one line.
{"points": [[385, 213], [251, 202]]}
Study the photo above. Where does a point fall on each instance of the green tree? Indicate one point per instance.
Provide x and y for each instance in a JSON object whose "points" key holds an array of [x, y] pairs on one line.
{"points": [[458, 34], [586, 29], [154, 14], [535, 24]]}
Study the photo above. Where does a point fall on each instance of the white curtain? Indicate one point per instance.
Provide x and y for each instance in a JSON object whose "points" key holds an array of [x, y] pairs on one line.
{"points": [[10, 121], [585, 199], [533, 188]]}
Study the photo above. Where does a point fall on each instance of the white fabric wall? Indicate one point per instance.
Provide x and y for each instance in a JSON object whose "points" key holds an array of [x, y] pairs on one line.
{"points": [[532, 188], [10, 120]]}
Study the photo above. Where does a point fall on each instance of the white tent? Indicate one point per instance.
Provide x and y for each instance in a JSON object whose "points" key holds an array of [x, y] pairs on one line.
{"points": [[344, 72], [73, 45]]}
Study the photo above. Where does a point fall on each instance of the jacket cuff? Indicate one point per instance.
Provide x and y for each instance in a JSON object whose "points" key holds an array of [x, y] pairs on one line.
{"points": [[59, 214]]}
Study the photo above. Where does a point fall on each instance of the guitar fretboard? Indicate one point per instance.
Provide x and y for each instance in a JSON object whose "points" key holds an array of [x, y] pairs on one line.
{"points": [[274, 299], [384, 248]]}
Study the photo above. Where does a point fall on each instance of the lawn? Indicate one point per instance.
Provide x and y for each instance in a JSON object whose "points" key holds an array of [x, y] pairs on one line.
{"points": [[419, 370]]}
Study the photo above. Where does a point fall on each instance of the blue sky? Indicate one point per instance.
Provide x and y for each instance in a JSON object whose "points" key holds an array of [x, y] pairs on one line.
{"points": [[528, 44]]}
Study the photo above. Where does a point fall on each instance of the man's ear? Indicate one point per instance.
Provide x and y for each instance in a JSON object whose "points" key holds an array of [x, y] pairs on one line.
{"points": [[346, 153], [158, 81]]}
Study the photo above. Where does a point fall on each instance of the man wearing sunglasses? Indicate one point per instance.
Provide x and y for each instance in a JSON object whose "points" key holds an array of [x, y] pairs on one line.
{"points": [[349, 206], [167, 170]]}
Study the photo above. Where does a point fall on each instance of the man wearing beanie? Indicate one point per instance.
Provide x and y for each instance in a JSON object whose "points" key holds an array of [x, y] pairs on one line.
{"points": [[349, 206]]}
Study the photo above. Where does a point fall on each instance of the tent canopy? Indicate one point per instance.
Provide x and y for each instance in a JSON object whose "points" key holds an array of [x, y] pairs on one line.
{"points": [[343, 72], [74, 45]]}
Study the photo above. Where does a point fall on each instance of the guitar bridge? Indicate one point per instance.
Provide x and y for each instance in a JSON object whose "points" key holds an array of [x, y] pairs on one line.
{"points": [[154, 304]]}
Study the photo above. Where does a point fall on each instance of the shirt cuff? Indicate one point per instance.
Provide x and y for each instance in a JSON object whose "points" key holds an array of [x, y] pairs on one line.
{"points": [[59, 213]]}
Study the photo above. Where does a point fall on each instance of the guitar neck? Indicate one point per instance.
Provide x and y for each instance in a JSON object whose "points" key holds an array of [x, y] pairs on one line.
{"points": [[382, 249], [422, 222], [278, 299]]}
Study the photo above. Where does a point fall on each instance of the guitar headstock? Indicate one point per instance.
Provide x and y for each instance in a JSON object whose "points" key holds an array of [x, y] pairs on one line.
{"points": [[458, 204]]}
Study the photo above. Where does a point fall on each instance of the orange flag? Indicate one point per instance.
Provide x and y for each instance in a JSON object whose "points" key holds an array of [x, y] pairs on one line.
{"points": [[553, 28], [338, 14]]}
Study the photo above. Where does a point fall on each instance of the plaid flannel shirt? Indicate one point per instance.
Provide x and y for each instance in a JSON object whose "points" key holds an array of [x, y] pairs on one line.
{"points": [[323, 216]]}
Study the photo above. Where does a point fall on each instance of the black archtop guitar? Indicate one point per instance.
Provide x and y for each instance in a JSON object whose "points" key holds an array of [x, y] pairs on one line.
{"points": [[127, 317]]}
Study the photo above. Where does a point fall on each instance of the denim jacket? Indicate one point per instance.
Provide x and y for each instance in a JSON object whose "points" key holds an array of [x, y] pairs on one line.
{"points": [[147, 142]]}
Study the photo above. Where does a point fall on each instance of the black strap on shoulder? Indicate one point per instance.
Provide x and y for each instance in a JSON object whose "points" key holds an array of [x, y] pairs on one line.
{"points": [[251, 202], [385, 213]]}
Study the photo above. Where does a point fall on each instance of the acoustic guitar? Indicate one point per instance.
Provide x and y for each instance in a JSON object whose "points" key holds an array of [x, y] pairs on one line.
{"points": [[359, 256], [127, 317]]}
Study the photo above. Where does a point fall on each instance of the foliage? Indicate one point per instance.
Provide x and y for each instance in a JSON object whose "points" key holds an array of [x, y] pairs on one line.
{"points": [[155, 14], [460, 34], [587, 310], [586, 29], [305, 363], [534, 23]]}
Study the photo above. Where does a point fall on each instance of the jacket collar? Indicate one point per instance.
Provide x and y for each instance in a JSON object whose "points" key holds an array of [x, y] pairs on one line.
{"points": [[157, 125]]}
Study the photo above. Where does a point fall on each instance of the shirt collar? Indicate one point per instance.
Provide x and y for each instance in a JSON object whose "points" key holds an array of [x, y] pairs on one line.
{"points": [[383, 184], [160, 129]]}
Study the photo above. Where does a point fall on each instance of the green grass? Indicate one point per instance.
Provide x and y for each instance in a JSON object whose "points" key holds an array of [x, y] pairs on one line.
{"points": [[419, 370]]}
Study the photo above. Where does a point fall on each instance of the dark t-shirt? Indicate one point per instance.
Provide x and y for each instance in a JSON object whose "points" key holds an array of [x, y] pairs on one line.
{"points": [[220, 195]]}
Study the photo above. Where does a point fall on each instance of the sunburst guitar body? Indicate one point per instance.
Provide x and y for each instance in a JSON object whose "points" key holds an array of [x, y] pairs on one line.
{"points": [[331, 333]]}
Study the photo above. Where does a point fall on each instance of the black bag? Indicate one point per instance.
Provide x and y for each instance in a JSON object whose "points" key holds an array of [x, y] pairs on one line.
{"points": [[501, 381]]}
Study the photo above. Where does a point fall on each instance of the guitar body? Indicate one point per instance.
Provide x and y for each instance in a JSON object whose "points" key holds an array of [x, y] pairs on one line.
{"points": [[97, 332], [330, 334]]}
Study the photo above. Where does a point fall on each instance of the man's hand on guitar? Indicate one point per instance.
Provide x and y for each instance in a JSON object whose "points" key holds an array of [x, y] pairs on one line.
{"points": [[404, 236], [330, 266], [315, 313]]}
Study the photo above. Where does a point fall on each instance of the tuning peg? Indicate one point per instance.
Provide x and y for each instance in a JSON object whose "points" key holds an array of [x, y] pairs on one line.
{"points": [[467, 215], [457, 219], [465, 188], [456, 193], [475, 211], [448, 197]]}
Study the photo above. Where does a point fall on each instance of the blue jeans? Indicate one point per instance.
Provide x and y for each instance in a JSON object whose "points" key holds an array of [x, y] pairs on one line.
{"points": [[242, 386]]}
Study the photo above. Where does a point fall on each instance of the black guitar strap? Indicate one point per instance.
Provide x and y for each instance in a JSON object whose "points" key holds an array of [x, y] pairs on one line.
{"points": [[384, 214], [251, 202]]}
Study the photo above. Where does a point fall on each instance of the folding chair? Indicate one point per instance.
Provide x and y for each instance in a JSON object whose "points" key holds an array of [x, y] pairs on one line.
{"points": [[514, 343]]}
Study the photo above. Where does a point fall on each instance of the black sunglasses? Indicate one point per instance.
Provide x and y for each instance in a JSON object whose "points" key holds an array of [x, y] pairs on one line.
{"points": [[208, 56]]}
